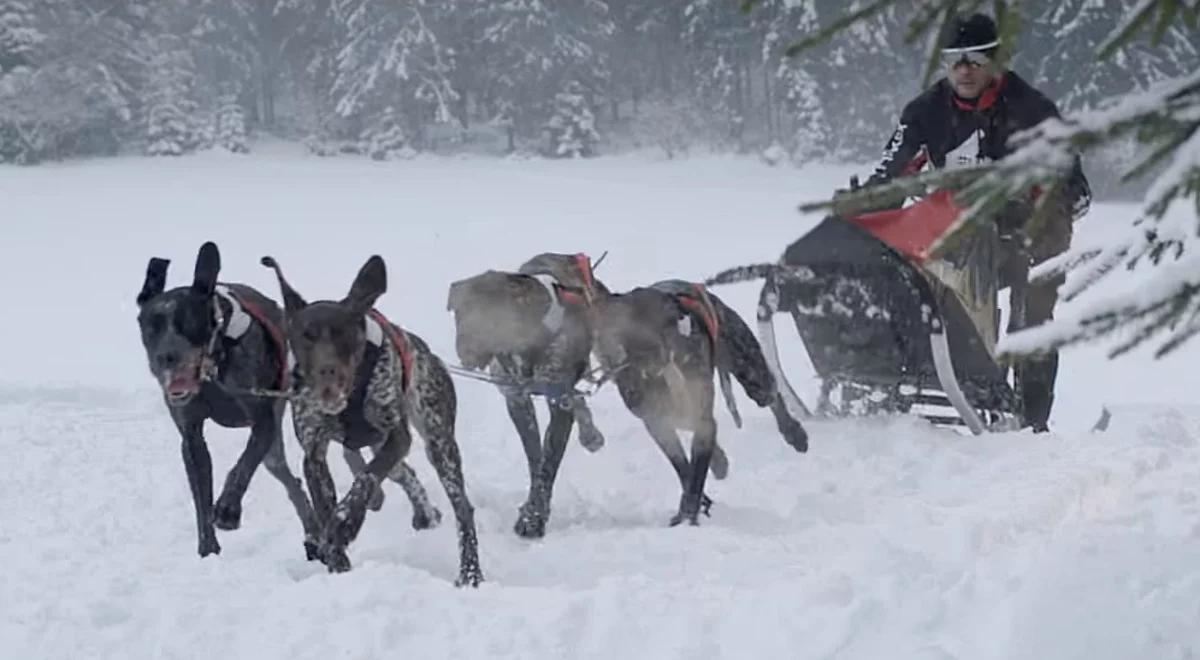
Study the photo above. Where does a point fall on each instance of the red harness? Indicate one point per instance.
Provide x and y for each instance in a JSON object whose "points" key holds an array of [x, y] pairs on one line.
{"points": [[400, 342], [276, 334], [703, 307], [584, 264]]}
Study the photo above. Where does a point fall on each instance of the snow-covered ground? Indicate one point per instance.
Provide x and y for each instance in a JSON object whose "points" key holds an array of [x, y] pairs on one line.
{"points": [[888, 539]]}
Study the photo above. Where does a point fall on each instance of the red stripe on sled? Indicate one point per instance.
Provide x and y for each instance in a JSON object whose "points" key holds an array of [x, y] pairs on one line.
{"points": [[913, 230]]}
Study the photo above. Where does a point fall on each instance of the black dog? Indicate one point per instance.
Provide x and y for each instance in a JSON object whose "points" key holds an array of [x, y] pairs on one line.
{"points": [[663, 343], [530, 330], [360, 381], [209, 345]]}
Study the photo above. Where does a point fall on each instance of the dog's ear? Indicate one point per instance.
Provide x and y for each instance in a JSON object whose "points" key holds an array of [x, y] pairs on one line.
{"points": [[208, 266], [458, 293], [156, 280], [370, 283], [292, 301]]}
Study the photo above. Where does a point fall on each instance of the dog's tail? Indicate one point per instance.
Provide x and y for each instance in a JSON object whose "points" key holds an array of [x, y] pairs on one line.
{"points": [[740, 274], [740, 354]]}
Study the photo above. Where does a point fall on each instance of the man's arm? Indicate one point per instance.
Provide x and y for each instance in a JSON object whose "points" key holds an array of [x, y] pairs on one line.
{"points": [[902, 149], [1077, 195]]}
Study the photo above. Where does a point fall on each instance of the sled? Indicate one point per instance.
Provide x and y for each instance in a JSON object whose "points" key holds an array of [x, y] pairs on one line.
{"points": [[887, 326]]}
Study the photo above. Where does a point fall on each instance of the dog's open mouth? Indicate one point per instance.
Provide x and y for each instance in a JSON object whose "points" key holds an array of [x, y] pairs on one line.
{"points": [[332, 399], [181, 384]]}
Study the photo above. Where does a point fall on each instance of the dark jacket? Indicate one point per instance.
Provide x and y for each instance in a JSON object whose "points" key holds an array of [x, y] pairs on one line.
{"points": [[938, 126]]}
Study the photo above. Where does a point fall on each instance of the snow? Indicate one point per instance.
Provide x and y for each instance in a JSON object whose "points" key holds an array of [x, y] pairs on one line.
{"points": [[888, 539]]}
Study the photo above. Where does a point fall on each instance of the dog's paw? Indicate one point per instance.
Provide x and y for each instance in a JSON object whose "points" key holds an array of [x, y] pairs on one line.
{"points": [[227, 514], [690, 508], [530, 524], [312, 551], [469, 576], [719, 463], [678, 518], [426, 519], [209, 546], [376, 501], [335, 559], [591, 438], [795, 435]]}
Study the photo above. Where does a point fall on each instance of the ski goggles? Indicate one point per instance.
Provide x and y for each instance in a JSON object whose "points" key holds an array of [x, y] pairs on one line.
{"points": [[974, 58]]}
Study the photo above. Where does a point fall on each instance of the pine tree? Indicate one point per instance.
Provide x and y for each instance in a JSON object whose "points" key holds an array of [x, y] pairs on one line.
{"points": [[385, 138], [231, 125], [533, 48], [19, 34], [389, 57], [573, 127], [808, 136], [170, 121], [720, 48]]}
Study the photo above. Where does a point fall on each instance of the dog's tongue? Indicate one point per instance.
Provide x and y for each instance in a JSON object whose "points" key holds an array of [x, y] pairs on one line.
{"points": [[182, 381]]}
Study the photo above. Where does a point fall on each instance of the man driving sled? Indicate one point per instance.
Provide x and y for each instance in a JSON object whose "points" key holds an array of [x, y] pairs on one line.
{"points": [[967, 118]]}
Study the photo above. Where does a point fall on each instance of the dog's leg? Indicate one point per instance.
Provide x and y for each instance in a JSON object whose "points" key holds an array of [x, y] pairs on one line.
{"points": [[358, 465], [348, 515], [667, 439], [703, 442], [789, 427], [227, 514], [276, 463], [442, 451], [589, 435], [425, 514], [524, 417], [324, 498], [531, 522], [198, 464]]}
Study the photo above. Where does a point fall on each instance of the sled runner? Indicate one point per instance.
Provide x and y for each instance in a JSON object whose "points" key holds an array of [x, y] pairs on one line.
{"points": [[889, 328]]}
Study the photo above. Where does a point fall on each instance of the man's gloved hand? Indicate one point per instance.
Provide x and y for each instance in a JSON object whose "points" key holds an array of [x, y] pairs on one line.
{"points": [[1012, 218], [868, 200]]}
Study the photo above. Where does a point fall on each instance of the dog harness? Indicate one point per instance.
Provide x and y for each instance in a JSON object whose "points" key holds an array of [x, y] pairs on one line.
{"points": [[553, 319], [241, 314], [377, 326], [700, 305]]}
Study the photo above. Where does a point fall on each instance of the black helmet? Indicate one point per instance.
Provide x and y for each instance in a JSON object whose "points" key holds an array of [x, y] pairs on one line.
{"points": [[973, 33]]}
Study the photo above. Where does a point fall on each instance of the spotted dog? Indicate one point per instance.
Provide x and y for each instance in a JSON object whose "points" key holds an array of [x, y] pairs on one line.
{"points": [[664, 343], [361, 381], [210, 345]]}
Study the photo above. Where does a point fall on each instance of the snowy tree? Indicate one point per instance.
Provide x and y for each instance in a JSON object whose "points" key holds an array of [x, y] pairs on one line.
{"points": [[170, 118], [388, 56], [572, 129], [672, 124], [718, 36], [809, 132], [532, 48], [1059, 36], [385, 139], [19, 34], [73, 93], [231, 125]]}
